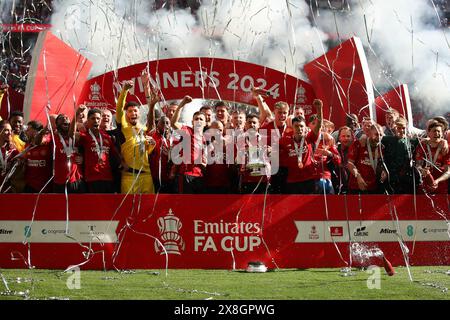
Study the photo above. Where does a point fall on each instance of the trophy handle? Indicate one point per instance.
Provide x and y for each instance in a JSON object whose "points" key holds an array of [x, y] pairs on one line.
{"points": [[161, 224]]}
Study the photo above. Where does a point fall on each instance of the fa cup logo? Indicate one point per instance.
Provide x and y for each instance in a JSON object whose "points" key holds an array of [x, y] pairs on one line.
{"points": [[300, 96], [170, 238], [95, 92]]}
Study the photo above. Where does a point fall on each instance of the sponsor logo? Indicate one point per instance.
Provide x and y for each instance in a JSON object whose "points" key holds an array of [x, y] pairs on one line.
{"points": [[226, 236], [27, 231], [4, 231], [313, 235], [410, 230], [361, 232], [92, 231], [388, 231], [52, 231], [434, 230], [337, 231], [169, 227]]}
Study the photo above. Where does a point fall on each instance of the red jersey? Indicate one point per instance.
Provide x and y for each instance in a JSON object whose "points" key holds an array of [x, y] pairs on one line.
{"points": [[7, 156], [290, 152], [160, 155], [440, 160], [62, 170], [38, 166], [218, 174], [360, 157], [322, 161], [272, 130], [197, 144], [96, 168]]}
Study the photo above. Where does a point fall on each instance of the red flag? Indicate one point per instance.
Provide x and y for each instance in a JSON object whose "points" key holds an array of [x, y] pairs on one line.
{"points": [[341, 78], [397, 99], [57, 75]]}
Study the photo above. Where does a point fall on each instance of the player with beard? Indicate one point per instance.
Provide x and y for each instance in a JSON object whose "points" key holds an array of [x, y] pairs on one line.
{"points": [[160, 162], [340, 173], [218, 174], [169, 110], [274, 129], [432, 161], [135, 145], [365, 163], [221, 112], [297, 113], [208, 112], [249, 149], [67, 159], [296, 154], [97, 149], [38, 159], [190, 171], [326, 156]]}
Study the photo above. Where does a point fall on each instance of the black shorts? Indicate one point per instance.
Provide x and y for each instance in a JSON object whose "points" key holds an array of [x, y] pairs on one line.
{"points": [[249, 188], [100, 186], [304, 187], [191, 184]]}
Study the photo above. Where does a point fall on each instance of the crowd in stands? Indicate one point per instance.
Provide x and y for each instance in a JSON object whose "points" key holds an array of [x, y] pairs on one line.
{"points": [[276, 151], [15, 56]]}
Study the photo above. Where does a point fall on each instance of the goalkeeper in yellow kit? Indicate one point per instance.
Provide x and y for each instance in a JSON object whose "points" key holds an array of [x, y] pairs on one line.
{"points": [[135, 146]]}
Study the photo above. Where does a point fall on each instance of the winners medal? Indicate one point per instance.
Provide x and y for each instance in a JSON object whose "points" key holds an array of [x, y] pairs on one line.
{"points": [[299, 152], [98, 147]]}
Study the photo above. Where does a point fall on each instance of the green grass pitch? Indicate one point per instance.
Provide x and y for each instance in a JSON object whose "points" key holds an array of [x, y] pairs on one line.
{"points": [[285, 284]]}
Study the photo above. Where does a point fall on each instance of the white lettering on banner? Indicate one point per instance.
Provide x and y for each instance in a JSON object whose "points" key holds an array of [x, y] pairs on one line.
{"points": [[227, 243], [370, 230], [186, 79], [201, 79], [246, 83], [245, 236], [225, 227], [54, 231]]}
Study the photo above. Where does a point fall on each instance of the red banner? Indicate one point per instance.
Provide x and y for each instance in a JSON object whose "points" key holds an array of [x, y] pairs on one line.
{"points": [[397, 99], [56, 78], [219, 231], [202, 78], [24, 27], [341, 78]]}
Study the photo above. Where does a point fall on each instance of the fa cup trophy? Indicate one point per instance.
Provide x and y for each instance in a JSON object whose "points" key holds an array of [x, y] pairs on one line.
{"points": [[255, 157], [170, 238]]}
